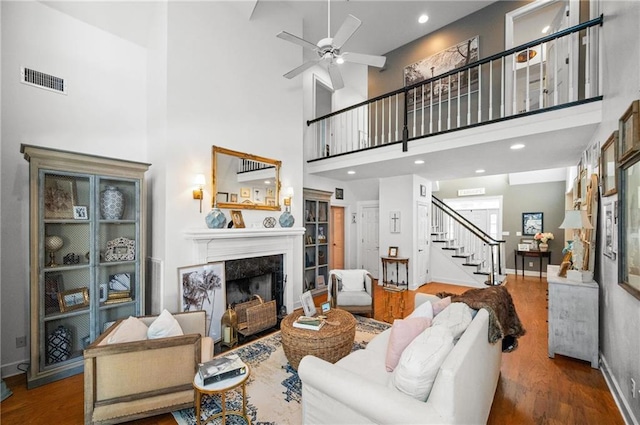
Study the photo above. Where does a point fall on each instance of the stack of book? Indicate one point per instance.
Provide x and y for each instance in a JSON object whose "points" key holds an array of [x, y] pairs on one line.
{"points": [[305, 322], [115, 297], [221, 368]]}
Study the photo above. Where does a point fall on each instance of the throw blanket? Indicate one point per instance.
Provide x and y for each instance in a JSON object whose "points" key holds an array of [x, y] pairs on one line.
{"points": [[503, 319]]}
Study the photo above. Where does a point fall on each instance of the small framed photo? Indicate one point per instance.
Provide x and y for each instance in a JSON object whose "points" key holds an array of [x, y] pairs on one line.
{"points": [[393, 251], [258, 195], [629, 132], [222, 197], [104, 292], [326, 307], [80, 212], [532, 223], [233, 198], [423, 190], [60, 196], [120, 249], [610, 240], [306, 299], [270, 192], [523, 247], [609, 165], [245, 192], [73, 299], [236, 217], [270, 201], [52, 287], [339, 193], [319, 281]]}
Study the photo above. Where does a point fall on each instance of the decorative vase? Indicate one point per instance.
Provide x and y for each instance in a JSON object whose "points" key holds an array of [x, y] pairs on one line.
{"points": [[215, 219], [286, 219], [59, 345], [543, 247], [112, 203]]}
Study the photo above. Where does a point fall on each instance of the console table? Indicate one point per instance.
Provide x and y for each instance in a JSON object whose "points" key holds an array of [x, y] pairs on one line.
{"points": [[573, 318], [539, 254], [386, 261]]}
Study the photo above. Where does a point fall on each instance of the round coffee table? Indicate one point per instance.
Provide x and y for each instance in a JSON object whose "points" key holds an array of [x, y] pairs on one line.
{"points": [[221, 389], [331, 343]]}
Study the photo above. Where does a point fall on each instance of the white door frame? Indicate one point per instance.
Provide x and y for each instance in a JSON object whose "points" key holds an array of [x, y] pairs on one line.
{"points": [[574, 12], [360, 206]]}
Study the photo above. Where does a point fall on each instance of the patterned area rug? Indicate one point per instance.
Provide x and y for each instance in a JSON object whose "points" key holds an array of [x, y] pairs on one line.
{"points": [[274, 390]]}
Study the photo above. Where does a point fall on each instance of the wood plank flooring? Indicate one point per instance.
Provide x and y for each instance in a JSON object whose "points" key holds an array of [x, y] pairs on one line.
{"points": [[532, 389]]}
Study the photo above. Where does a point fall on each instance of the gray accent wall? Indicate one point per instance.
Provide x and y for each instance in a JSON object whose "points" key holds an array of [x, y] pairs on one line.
{"points": [[547, 198]]}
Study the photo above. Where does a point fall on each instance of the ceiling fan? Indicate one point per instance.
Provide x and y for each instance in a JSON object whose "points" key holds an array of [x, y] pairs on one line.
{"points": [[328, 50]]}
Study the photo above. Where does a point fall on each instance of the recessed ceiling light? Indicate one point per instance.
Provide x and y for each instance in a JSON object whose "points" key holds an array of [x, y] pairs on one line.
{"points": [[418, 161], [423, 18], [517, 146], [480, 171], [545, 29], [351, 172]]}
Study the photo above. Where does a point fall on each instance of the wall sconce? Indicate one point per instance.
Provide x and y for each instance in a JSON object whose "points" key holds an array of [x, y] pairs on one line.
{"points": [[198, 192], [286, 219], [576, 220], [287, 197]]}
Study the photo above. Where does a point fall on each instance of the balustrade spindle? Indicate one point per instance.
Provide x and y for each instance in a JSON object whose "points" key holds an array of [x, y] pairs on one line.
{"points": [[491, 90], [449, 103], [458, 107], [479, 93]]}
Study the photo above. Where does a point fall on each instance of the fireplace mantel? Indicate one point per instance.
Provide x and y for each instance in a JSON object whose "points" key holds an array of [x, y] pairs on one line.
{"points": [[213, 245]]}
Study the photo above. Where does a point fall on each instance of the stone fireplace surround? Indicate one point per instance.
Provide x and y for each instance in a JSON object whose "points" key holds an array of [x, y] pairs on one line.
{"points": [[214, 245]]}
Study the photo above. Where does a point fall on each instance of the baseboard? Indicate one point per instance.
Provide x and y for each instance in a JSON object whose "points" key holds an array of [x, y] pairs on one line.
{"points": [[532, 273], [11, 369], [621, 402]]}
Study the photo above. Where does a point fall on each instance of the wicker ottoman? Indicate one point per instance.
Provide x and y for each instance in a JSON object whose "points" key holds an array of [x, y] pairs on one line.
{"points": [[330, 343]]}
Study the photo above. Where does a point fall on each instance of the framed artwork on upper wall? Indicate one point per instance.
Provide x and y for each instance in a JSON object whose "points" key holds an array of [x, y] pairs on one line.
{"points": [[532, 223], [629, 226], [629, 132], [609, 166]]}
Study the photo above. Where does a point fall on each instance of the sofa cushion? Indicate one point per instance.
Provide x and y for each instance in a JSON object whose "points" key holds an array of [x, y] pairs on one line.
{"points": [[456, 318], [420, 362], [423, 310], [131, 329], [402, 333], [368, 364], [360, 298], [164, 326], [379, 343], [352, 280], [440, 305]]}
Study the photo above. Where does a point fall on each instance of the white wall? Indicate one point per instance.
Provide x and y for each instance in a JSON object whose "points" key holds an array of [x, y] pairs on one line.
{"points": [[104, 113], [619, 310]]}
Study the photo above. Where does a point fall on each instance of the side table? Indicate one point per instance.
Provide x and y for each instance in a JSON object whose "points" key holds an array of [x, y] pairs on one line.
{"points": [[395, 294], [540, 254], [221, 388]]}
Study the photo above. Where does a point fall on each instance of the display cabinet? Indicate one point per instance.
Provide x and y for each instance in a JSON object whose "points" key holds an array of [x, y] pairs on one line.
{"points": [[317, 204], [86, 255]]}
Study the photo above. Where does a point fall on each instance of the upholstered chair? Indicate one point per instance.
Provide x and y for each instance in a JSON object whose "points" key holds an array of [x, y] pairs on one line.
{"points": [[352, 290]]}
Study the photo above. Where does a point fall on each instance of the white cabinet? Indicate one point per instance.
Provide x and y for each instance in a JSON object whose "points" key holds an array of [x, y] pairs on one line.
{"points": [[573, 319]]}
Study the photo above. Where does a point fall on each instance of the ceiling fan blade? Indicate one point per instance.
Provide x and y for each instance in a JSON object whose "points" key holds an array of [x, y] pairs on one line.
{"points": [[371, 60], [296, 40], [336, 78], [300, 69], [348, 28]]}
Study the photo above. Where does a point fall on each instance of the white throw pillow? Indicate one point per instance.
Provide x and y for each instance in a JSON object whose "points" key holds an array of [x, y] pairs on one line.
{"points": [[131, 329], [420, 362], [352, 280], [164, 326], [456, 317], [402, 333], [423, 310]]}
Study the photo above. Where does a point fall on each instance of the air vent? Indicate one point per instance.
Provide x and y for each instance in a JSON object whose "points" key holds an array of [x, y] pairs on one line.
{"points": [[41, 80]]}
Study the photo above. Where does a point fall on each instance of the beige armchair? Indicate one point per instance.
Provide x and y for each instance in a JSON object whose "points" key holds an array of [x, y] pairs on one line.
{"points": [[352, 290], [132, 380]]}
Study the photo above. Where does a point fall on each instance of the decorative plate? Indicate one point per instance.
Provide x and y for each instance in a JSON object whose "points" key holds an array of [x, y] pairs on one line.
{"points": [[269, 222]]}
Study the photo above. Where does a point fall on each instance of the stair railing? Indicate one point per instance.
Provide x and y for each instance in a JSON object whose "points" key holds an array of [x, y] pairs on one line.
{"points": [[469, 239], [472, 95]]}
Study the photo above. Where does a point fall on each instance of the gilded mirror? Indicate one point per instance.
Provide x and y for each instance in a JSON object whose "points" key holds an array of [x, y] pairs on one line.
{"points": [[246, 181]]}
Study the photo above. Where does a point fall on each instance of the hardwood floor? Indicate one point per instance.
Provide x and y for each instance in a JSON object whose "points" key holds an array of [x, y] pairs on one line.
{"points": [[533, 389]]}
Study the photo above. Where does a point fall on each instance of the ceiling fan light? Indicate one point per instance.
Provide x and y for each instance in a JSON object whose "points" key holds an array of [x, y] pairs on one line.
{"points": [[423, 18], [339, 60]]}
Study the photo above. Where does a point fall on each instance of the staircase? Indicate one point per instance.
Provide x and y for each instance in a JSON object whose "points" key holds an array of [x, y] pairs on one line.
{"points": [[461, 252]]}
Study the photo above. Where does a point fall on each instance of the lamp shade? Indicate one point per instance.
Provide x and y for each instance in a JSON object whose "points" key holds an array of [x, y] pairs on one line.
{"points": [[576, 219]]}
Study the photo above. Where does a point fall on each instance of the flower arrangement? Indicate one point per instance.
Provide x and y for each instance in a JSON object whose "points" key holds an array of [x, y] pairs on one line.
{"points": [[543, 237]]}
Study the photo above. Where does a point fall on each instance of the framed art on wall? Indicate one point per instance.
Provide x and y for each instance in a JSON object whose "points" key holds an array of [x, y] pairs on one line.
{"points": [[60, 195], [532, 223], [629, 128], [609, 166], [609, 230]]}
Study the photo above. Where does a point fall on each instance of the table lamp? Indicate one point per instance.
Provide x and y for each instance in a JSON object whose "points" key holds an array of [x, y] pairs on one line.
{"points": [[576, 220]]}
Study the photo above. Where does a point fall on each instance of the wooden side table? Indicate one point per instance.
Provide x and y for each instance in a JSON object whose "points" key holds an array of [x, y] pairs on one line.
{"points": [[221, 388], [393, 296], [540, 254], [398, 261]]}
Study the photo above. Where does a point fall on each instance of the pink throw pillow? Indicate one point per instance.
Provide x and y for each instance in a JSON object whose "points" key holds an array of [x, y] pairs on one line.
{"points": [[402, 333], [440, 305]]}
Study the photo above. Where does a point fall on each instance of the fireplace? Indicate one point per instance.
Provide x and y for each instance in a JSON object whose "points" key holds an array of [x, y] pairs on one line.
{"points": [[228, 245], [246, 277]]}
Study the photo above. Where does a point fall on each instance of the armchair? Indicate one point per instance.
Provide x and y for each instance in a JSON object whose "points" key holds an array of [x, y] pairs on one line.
{"points": [[132, 380], [352, 290]]}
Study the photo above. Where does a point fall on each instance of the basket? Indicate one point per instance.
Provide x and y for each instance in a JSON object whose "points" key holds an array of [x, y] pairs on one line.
{"points": [[255, 315]]}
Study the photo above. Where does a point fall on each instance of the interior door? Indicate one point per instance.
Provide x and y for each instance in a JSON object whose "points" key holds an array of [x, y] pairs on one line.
{"points": [[336, 256], [370, 247], [557, 86], [422, 270]]}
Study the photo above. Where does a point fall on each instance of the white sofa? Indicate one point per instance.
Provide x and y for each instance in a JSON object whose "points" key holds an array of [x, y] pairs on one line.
{"points": [[356, 389]]}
